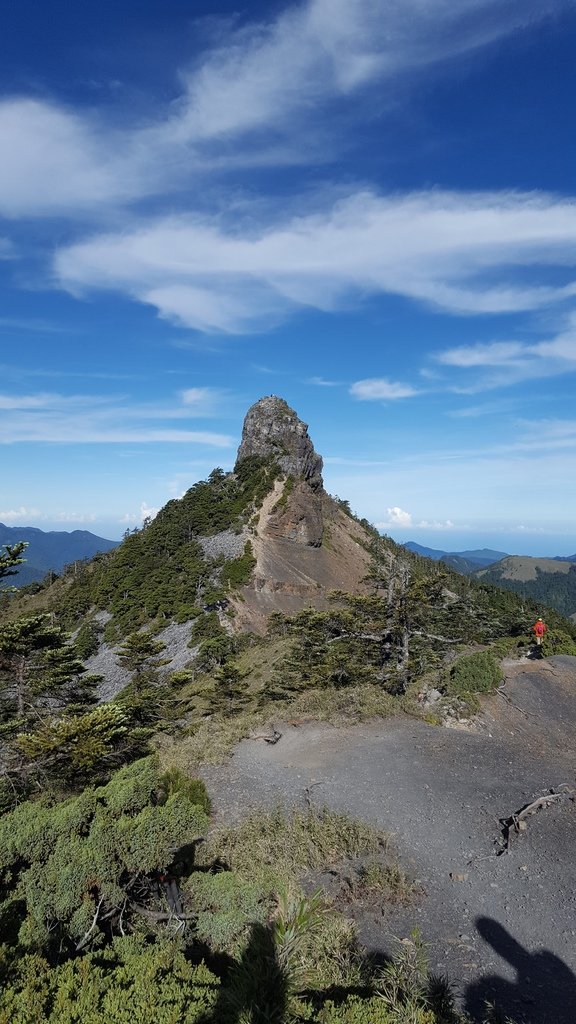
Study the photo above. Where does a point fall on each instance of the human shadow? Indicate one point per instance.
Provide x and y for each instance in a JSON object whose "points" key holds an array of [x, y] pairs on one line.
{"points": [[256, 987], [544, 991]]}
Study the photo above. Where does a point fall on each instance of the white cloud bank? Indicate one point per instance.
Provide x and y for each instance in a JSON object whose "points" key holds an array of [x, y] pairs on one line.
{"points": [[399, 519], [18, 515], [442, 248], [137, 518]]}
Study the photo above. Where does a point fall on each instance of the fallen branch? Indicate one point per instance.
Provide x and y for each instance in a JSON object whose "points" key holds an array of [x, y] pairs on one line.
{"points": [[308, 795], [516, 823], [160, 915], [521, 710], [432, 636], [271, 737], [87, 934]]}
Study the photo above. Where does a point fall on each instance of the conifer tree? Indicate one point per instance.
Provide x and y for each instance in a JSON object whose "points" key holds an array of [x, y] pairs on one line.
{"points": [[36, 660], [139, 654], [10, 557]]}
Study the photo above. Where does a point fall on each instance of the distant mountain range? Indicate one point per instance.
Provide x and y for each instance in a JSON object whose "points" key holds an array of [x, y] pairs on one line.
{"points": [[50, 551], [549, 581], [466, 562]]}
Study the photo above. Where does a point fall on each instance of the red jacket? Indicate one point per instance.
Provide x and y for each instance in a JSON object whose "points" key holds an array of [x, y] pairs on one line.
{"points": [[539, 628]]}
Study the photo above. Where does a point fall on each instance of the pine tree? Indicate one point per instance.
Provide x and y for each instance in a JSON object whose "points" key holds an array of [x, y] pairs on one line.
{"points": [[10, 557], [139, 654], [36, 660]]}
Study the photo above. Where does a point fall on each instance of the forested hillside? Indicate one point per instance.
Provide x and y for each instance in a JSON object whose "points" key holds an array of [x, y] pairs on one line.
{"points": [[546, 581]]}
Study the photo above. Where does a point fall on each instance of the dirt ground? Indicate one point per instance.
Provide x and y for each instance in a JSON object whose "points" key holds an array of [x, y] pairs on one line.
{"points": [[501, 924]]}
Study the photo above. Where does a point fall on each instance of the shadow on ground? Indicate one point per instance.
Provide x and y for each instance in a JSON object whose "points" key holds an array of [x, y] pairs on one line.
{"points": [[544, 989]]}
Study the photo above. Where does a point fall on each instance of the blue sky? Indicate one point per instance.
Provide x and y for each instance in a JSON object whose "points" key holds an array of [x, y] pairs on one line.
{"points": [[364, 207]]}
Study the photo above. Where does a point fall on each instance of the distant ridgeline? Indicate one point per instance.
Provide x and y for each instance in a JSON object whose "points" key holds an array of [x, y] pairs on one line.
{"points": [[50, 551], [547, 581]]}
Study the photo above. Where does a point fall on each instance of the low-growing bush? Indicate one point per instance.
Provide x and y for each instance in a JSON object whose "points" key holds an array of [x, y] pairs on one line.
{"points": [[473, 673], [131, 982]]}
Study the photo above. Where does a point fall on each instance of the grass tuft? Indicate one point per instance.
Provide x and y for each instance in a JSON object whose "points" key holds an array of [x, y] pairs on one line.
{"points": [[293, 844]]}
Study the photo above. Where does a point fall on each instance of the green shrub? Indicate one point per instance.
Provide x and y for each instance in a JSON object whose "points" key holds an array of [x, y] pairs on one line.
{"points": [[88, 639], [205, 627], [558, 642], [175, 781], [75, 744], [226, 906], [74, 864], [238, 571], [131, 982], [355, 1010], [474, 673]]}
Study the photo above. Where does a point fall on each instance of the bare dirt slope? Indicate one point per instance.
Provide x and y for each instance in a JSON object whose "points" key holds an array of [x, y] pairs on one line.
{"points": [[289, 576], [502, 925]]}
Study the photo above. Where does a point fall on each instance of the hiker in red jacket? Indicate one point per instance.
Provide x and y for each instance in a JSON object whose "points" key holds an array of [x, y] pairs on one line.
{"points": [[539, 628]]}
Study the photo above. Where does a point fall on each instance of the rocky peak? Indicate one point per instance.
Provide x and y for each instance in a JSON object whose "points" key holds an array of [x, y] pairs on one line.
{"points": [[272, 428]]}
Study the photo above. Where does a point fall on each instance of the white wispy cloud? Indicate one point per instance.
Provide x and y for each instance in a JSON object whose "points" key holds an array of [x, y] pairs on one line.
{"points": [[56, 162], [201, 401], [380, 388], [26, 401], [73, 517], [503, 363], [442, 248], [7, 250], [321, 382], [269, 73], [75, 419], [268, 86]]}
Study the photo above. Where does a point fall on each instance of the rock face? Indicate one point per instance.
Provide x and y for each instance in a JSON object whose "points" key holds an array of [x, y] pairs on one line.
{"points": [[272, 428], [305, 546]]}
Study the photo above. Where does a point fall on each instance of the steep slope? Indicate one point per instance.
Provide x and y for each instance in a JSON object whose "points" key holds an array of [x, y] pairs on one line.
{"points": [[304, 544], [548, 581], [264, 538], [289, 574]]}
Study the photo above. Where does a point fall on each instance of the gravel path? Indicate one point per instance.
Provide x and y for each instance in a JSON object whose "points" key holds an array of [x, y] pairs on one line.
{"points": [[503, 927]]}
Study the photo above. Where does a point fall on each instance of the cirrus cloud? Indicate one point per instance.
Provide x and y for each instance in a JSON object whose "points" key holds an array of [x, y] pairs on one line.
{"points": [[440, 248]]}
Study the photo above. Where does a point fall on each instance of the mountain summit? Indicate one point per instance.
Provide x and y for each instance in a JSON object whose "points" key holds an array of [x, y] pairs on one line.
{"points": [[304, 543], [273, 430]]}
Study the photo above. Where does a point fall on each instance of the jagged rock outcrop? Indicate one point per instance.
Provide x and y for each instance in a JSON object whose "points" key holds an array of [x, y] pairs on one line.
{"points": [[304, 544], [272, 428]]}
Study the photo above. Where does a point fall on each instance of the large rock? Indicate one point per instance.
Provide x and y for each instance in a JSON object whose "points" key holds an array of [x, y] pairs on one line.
{"points": [[272, 429]]}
